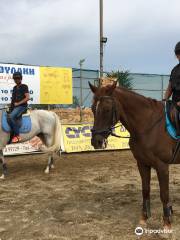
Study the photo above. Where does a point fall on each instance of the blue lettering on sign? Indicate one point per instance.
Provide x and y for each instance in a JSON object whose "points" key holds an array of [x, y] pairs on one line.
{"points": [[25, 71], [19, 70], [7, 69], [74, 132], [1, 69], [31, 71], [11, 70]]}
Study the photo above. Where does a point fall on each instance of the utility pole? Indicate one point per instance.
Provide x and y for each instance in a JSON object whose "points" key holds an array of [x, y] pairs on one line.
{"points": [[102, 39], [101, 36]]}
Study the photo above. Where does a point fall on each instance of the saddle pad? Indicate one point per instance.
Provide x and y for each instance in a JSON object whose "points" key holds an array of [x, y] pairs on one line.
{"points": [[26, 114], [25, 123], [169, 126]]}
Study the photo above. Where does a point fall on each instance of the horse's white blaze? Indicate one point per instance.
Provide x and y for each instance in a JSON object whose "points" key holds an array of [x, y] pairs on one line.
{"points": [[97, 105]]}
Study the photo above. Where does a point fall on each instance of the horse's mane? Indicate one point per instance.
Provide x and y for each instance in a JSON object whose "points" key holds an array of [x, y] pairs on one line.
{"points": [[149, 100]]}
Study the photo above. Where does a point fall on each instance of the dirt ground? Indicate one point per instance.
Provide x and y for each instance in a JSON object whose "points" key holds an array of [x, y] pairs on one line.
{"points": [[88, 196]]}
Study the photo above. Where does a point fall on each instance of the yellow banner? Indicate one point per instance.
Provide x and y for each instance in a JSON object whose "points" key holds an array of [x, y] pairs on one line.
{"points": [[55, 85], [77, 138]]}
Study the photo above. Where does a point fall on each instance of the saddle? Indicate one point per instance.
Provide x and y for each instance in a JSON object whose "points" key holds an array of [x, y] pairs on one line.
{"points": [[24, 121], [172, 112]]}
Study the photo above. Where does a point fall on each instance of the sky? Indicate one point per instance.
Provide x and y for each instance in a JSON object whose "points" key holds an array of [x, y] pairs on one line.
{"points": [[141, 34]]}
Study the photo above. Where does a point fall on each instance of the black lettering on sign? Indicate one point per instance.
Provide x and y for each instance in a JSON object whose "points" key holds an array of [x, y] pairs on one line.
{"points": [[4, 91]]}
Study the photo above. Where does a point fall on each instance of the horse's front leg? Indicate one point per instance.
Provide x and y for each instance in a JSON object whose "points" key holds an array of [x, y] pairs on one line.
{"points": [[145, 172], [163, 177], [4, 166]]}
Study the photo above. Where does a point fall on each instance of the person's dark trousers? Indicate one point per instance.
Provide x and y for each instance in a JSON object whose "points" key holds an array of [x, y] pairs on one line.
{"points": [[14, 117]]}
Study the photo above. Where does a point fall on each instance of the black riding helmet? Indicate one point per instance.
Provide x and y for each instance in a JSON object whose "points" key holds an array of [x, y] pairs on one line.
{"points": [[177, 49], [17, 75]]}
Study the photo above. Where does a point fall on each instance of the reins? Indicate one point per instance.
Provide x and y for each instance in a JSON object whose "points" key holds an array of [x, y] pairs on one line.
{"points": [[114, 134], [147, 130]]}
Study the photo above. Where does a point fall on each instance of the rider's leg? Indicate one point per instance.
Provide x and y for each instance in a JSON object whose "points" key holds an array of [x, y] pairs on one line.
{"points": [[12, 119], [13, 116]]}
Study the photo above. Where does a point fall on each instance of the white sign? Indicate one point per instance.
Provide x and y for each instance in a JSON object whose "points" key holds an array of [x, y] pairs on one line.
{"points": [[31, 77]]}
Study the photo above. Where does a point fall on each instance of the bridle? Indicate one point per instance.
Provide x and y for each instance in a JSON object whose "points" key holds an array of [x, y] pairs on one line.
{"points": [[108, 131]]}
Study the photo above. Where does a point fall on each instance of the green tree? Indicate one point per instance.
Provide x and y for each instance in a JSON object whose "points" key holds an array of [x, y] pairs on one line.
{"points": [[76, 101], [123, 77]]}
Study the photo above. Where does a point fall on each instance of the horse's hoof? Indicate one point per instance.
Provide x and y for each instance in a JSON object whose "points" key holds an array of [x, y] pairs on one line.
{"points": [[2, 177], [167, 227], [52, 166], [46, 170], [143, 222]]}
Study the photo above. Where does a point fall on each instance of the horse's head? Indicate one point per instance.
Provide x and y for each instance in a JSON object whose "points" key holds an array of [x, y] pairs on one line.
{"points": [[105, 114]]}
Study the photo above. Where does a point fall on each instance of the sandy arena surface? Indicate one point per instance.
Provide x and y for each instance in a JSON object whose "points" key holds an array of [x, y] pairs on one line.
{"points": [[88, 196]]}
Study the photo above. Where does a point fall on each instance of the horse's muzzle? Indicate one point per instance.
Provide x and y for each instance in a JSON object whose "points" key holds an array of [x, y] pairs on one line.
{"points": [[98, 141]]}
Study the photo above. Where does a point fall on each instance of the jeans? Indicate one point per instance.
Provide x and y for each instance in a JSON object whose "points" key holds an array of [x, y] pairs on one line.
{"points": [[14, 118]]}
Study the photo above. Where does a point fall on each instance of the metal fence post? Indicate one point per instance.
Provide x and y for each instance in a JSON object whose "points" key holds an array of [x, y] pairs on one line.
{"points": [[81, 88], [162, 87]]}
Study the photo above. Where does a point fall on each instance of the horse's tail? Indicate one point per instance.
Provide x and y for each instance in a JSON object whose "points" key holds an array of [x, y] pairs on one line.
{"points": [[56, 147]]}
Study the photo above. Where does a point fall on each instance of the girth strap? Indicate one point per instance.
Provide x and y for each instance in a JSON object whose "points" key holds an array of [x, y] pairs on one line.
{"points": [[175, 153]]}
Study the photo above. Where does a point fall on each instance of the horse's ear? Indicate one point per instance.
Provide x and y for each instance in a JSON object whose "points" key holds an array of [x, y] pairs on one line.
{"points": [[111, 87], [92, 87]]}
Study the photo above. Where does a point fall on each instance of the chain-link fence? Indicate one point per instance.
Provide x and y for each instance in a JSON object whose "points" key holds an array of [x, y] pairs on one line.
{"points": [[149, 85]]}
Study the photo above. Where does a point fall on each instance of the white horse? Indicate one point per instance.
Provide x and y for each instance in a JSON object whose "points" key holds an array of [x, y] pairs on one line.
{"points": [[45, 125]]}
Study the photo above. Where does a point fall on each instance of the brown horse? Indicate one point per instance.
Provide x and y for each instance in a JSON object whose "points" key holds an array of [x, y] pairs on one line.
{"points": [[150, 144]]}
